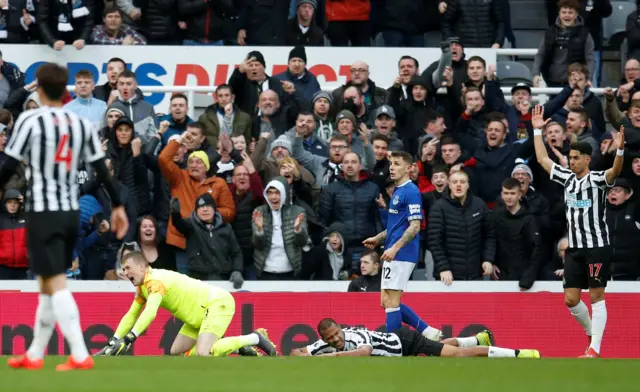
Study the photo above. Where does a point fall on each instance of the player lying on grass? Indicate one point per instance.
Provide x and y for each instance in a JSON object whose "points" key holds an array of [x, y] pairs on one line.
{"points": [[205, 310], [361, 342]]}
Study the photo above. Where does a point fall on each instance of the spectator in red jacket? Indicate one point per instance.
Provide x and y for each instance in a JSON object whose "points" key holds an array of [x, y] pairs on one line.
{"points": [[13, 238]]}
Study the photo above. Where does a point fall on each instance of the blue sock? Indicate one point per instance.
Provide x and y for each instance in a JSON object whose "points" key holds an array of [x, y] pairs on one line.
{"points": [[410, 317], [394, 319]]}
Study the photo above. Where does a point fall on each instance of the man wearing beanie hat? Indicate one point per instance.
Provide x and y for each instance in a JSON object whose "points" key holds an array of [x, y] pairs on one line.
{"points": [[347, 125], [212, 248], [279, 150], [302, 29], [321, 104], [305, 82]]}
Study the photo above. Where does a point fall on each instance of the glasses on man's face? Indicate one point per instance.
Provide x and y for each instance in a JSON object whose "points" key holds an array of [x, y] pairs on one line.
{"points": [[358, 70], [241, 175], [338, 148], [631, 69]]}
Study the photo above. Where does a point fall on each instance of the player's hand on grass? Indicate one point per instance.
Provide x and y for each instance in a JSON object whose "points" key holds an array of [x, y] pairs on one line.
{"points": [[119, 222], [258, 219], [103, 351], [487, 268], [236, 279], [121, 346], [370, 243], [446, 277], [389, 254]]}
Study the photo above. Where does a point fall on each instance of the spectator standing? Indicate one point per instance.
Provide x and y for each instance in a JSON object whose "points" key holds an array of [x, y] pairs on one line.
{"points": [[280, 149], [14, 261], [380, 171], [263, 23], [212, 248], [633, 34], [321, 104], [279, 234], [355, 104], [579, 78], [622, 220], [114, 32], [349, 22], [478, 24], [225, 117], [346, 125], [405, 23], [108, 92], [519, 250], [160, 21], [407, 68], [460, 234], [359, 76], [274, 118], [306, 124], [565, 43], [592, 13], [139, 111], [304, 81], [18, 21], [370, 278], [209, 22], [434, 74], [303, 30], [64, 22], [85, 105], [249, 80], [152, 244], [11, 79], [177, 118]]}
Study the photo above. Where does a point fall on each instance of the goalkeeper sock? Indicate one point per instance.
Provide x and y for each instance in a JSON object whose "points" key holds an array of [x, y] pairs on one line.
{"points": [[497, 352], [410, 317], [66, 312], [394, 319], [42, 328], [226, 346]]}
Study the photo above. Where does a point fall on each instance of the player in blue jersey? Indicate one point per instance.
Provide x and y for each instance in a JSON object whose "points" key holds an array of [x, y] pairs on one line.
{"points": [[401, 247]]}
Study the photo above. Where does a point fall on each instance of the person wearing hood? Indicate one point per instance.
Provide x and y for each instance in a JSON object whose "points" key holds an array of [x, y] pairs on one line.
{"points": [[124, 149], [565, 43], [330, 260], [305, 82], [85, 104], [370, 279], [623, 216], [279, 234], [520, 250], [177, 117], [23, 99], [212, 248], [108, 92], [305, 124], [302, 27], [139, 111], [14, 261], [352, 202], [321, 105], [279, 149], [225, 117], [460, 234]]}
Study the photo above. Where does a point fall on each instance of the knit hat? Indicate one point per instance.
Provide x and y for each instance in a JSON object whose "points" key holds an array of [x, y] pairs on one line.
{"points": [[123, 121], [454, 40], [312, 2], [282, 141], [524, 168], [205, 200], [298, 53], [109, 110], [11, 194], [322, 94], [346, 114], [258, 56], [201, 155]]}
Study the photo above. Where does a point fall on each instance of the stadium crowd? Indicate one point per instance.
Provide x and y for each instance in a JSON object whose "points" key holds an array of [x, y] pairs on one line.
{"points": [[279, 180]]}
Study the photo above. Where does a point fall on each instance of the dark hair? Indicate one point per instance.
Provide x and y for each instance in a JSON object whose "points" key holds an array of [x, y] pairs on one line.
{"points": [[111, 10], [405, 57], [5, 117], [224, 86], [583, 148], [496, 117], [325, 324], [127, 73], [472, 89], [635, 103], [574, 4], [305, 113], [584, 116], [449, 140], [375, 257], [511, 183], [83, 74], [197, 125], [405, 156], [117, 60], [179, 95], [136, 256], [155, 225], [432, 116], [381, 137], [52, 79], [440, 169], [476, 58]]}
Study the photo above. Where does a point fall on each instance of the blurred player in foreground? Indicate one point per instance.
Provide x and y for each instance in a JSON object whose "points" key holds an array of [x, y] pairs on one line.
{"points": [[205, 310], [401, 247], [405, 342]]}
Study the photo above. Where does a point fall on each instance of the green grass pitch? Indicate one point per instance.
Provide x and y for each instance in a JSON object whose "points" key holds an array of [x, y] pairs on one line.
{"points": [[284, 374]]}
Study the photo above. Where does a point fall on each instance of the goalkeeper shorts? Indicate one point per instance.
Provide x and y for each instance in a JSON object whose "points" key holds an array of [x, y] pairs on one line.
{"points": [[217, 318]]}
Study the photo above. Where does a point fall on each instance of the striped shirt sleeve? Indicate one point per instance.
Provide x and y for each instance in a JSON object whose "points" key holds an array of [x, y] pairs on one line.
{"points": [[92, 147], [19, 144], [559, 174], [319, 347], [599, 179]]}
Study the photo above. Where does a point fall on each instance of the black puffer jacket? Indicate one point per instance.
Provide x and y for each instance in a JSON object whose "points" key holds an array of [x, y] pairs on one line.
{"points": [[210, 21], [265, 21], [48, 17], [353, 205], [624, 232], [461, 237], [160, 19], [408, 16], [479, 24]]}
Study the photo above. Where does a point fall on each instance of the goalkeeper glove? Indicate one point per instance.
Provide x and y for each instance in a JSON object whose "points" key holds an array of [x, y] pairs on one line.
{"points": [[121, 346], [110, 343]]}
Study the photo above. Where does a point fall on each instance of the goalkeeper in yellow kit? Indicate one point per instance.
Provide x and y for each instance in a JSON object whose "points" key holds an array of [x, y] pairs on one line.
{"points": [[205, 310]]}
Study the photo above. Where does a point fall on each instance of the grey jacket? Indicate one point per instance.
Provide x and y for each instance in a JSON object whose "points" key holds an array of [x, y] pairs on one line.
{"points": [[141, 113], [293, 242]]}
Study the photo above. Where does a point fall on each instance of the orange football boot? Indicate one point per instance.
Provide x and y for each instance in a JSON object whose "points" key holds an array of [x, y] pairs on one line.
{"points": [[72, 364], [24, 362]]}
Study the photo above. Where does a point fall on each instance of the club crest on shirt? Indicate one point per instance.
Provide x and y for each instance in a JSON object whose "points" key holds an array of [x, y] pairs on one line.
{"points": [[396, 200]]}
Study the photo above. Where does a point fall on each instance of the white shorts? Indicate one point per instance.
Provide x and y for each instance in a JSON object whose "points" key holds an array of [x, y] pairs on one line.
{"points": [[396, 274]]}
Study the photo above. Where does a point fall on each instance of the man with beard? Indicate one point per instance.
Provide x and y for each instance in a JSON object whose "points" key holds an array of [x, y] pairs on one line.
{"points": [[108, 92], [578, 125], [325, 170], [354, 101], [225, 117], [177, 117], [408, 68], [273, 117], [373, 96]]}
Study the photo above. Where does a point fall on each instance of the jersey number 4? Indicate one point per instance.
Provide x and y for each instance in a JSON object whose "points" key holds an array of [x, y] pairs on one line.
{"points": [[63, 152]]}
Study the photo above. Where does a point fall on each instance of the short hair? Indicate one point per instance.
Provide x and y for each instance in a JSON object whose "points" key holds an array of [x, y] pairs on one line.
{"points": [[179, 95], [406, 57], [584, 116], [325, 324], [5, 116], [52, 80], [564, 128], [380, 137], [305, 113], [127, 73], [579, 68], [440, 169], [135, 256], [432, 116], [117, 60], [224, 86], [449, 140], [495, 117], [583, 148], [351, 152], [111, 10], [358, 89], [461, 171], [405, 156], [83, 74], [635, 103], [511, 183], [339, 138], [574, 4], [197, 125], [476, 58]]}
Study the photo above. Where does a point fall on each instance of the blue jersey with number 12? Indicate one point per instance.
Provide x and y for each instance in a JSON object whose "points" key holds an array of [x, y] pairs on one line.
{"points": [[405, 205]]}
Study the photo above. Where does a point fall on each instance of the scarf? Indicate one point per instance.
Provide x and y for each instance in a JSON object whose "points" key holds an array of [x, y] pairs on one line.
{"points": [[331, 174], [3, 22], [76, 10]]}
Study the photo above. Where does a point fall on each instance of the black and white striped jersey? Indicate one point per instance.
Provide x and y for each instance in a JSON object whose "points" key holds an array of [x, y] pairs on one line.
{"points": [[53, 142], [585, 201], [383, 344]]}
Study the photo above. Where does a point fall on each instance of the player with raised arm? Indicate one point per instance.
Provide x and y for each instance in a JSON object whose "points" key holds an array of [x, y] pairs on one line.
{"points": [[588, 257], [360, 342], [401, 247], [55, 142], [205, 310]]}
